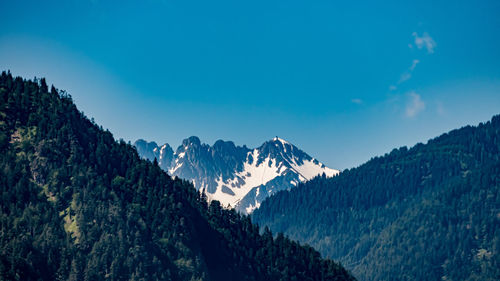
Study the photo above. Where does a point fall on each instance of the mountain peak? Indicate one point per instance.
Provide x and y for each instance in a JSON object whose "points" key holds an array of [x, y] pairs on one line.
{"points": [[278, 139], [193, 140], [221, 144], [144, 142]]}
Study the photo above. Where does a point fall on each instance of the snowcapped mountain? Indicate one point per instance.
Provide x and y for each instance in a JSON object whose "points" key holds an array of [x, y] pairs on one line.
{"points": [[236, 176]]}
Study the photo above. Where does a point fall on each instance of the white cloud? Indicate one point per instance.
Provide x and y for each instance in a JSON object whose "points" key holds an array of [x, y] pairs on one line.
{"points": [[424, 41], [357, 101], [415, 105]]}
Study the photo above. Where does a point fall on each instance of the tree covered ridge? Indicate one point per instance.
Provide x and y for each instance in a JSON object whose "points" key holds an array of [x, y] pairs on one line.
{"points": [[78, 205], [431, 212]]}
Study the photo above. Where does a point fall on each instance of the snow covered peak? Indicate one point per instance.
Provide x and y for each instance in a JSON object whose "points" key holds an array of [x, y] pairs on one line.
{"points": [[237, 176], [282, 141]]}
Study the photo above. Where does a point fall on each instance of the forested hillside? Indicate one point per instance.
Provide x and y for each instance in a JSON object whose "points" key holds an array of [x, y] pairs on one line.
{"points": [[78, 205], [431, 212]]}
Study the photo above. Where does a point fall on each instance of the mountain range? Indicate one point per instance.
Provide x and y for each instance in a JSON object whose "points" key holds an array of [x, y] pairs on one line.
{"points": [[236, 176]]}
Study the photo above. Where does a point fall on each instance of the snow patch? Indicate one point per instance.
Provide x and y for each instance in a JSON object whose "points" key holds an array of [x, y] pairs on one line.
{"points": [[251, 176], [177, 166], [252, 207], [309, 169]]}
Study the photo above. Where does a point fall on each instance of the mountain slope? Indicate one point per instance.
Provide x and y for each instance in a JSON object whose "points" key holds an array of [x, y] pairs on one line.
{"points": [[236, 176], [431, 212], [77, 205]]}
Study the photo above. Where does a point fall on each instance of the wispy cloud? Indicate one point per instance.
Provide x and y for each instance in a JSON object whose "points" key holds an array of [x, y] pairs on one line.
{"points": [[405, 76], [357, 101], [414, 105], [414, 64], [424, 41]]}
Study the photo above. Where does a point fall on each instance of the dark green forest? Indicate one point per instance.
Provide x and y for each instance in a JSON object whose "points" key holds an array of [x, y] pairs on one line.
{"points": [[78, 205], [431, 212]]}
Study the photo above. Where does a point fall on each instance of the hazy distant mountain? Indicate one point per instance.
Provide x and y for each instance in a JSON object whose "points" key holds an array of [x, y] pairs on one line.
{"points": [[234, 175]]}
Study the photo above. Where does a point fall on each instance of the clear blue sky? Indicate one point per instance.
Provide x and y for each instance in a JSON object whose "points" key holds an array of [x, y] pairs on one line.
{"points": [[343, 81]]}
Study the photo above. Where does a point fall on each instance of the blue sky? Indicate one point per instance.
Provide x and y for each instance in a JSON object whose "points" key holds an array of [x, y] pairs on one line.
{"points": [[343, 81]]}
